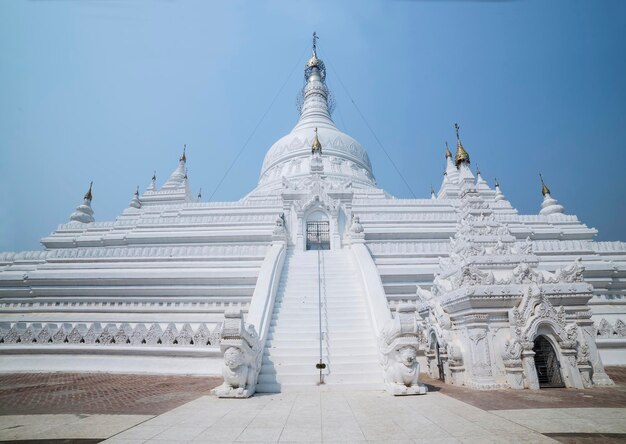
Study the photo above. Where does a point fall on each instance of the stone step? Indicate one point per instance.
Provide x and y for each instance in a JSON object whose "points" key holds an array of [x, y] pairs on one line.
{"points": [[312, 376], [305, 311], [312, 342], [339, 354], [327, 386], [335, 336], [313, 321], [363, 331]]}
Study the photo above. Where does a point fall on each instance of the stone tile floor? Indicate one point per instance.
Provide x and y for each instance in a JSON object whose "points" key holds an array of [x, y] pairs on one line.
{"points": [[88, 408], [614, 396], [98, 393]]}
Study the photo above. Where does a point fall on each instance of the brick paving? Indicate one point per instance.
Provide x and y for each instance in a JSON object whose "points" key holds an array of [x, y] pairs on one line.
{"points": [[98, 393], [535, 399]]}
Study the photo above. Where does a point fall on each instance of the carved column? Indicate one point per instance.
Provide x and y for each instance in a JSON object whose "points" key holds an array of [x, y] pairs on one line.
{"points": [[480, 353], [599, 376], [300, 246], [431, 360], [515, 373], [528, 363]]}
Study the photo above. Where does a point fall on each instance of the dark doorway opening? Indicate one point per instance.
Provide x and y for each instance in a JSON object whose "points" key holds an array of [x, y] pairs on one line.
{"points": [[317, 235], [547, 364]]}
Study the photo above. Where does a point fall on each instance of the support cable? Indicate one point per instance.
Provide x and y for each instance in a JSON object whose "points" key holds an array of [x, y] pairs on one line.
{"points": [[257, 125], [370, 127]]}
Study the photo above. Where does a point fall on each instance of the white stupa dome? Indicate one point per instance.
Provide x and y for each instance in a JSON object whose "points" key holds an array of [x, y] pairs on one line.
{"points": [[343, 157]]}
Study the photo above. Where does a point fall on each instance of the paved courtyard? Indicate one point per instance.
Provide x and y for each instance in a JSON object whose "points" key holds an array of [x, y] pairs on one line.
{"points": [[89, 408]]}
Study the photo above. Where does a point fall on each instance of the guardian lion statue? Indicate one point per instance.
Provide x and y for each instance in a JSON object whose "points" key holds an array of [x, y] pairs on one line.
{"points": [[399, 343], [237, 374]]}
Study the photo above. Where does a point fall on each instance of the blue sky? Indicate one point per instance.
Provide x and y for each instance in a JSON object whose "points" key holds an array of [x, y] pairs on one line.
{"points": [[110, 90]]}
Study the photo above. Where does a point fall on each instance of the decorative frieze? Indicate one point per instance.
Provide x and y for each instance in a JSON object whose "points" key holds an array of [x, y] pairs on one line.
{"points": [[77, 334]]}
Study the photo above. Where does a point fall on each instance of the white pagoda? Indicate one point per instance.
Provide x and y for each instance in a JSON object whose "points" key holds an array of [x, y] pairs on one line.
{"points": [[318, 279]]}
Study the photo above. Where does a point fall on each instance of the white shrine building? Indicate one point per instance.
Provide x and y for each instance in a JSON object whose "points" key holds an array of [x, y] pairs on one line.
{"points": [[319, 273]]}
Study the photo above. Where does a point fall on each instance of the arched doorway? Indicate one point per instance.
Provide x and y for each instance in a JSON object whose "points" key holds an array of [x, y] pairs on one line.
{"points": [[317, 231], [547, 364], [435, 362]]}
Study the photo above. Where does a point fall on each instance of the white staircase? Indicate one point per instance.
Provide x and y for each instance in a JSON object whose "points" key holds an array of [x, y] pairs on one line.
{"points": [[292, 349]]}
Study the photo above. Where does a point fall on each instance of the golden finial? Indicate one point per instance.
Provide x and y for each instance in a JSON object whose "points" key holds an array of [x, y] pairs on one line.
{"points": [[544, 188], [317, 146], [88, 194], [461, 155], [154, 176], [448, 153], [183, 157]]}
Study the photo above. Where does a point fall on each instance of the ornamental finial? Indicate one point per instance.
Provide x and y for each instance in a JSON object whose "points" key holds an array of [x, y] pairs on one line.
{"points": [[461, 155], [315, 38], [317, 146], [154, 176], [544, 188], [497, 184], [137, 191], [183, 157], [448, 153], [88, 194], [200, 195]]}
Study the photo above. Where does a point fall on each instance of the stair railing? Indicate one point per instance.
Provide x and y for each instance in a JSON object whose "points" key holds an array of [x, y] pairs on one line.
{"points": [[320, 365]]}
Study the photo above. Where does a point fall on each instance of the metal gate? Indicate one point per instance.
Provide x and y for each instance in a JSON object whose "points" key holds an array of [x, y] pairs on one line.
{"points": [[547, 364], [317, 236], [442, 374]]}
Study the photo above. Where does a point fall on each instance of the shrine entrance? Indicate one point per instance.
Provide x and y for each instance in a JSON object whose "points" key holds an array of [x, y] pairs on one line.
{"points": [[317, 235], [547, 364]]}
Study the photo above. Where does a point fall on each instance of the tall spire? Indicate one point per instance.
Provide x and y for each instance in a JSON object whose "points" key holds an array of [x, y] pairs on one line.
{"points": [[315, 66], [315, 110], [461, 155], [315, 37]]}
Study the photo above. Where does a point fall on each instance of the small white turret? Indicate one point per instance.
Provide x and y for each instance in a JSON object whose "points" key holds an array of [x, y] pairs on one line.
{"points": [[152, 186], [135, 202], [83, 212], [549, 205], [481, 184], [433, 196], [499, 196], [451, 172]]}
